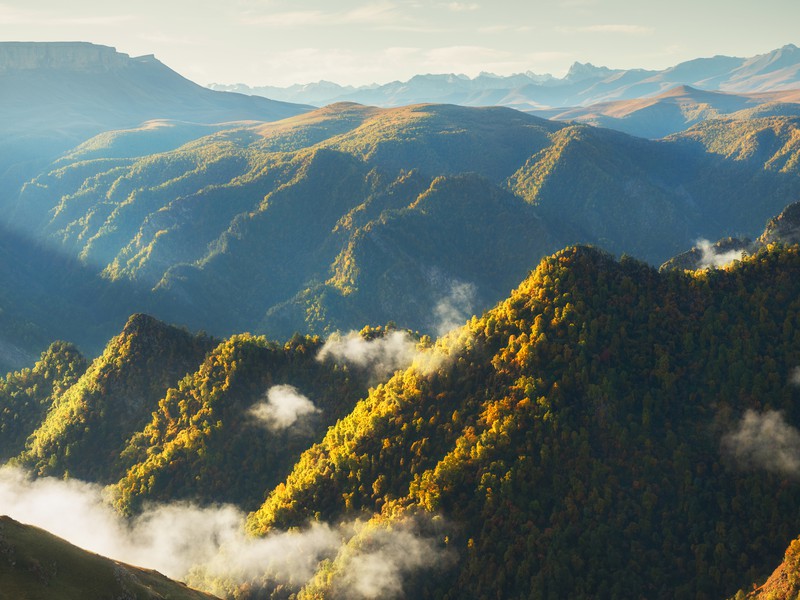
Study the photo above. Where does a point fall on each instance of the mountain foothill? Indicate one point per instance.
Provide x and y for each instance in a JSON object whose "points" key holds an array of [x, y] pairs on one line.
{"points": [[432, 335]]}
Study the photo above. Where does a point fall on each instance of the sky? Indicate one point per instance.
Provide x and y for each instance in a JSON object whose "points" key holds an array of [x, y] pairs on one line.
{"points": [[358, 42]]}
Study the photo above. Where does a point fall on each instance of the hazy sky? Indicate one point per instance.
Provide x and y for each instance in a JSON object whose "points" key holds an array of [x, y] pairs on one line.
{"points": [[279, 42]]}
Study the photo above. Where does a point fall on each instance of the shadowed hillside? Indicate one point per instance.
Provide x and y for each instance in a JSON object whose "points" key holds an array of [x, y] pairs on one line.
{"points": [[35, 565]]}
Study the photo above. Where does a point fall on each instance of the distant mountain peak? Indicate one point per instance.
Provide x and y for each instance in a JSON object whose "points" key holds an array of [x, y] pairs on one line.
{"points": [[679, 90], [439, 77], [785, 56], [580, 71], [784, 50], [783, 228]]}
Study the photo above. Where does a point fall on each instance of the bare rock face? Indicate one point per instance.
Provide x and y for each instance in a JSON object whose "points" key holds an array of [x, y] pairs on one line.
{"points": [[784, 228], [72, 56]]}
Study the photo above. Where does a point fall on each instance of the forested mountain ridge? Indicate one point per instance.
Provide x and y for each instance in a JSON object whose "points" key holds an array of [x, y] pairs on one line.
{"points": [[88, 423], [88, 308], [606, 430], [28, 394], [588, 437], [206, 441], [165, 414], [231, 210]]}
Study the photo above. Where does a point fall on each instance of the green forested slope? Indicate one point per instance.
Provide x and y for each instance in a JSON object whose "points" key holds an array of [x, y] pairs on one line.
{"points": [[27, 394], [203, 441], [88, 423], [592, 436], [579, 442], [167, 415], [783, 583], [47, 295]]}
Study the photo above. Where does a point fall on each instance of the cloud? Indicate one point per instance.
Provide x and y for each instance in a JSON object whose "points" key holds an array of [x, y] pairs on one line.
{"points": [[473, 60], [207, 547], [764, 441], [378, 12], [336, 64], [284, 406], [340, 64], [382, 355], [465, 54], [176, 539], [401, 52], [10, 15], [712, 258], [375, 13], [462, 6], [161, 38], [507, 29], [294, 18], [411, 28], [376, 564], [609, 28], [455, 308], [397, 351]]}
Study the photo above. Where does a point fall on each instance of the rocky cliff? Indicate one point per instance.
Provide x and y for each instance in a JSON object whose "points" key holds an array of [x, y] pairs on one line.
{"points": [[73, 56]]}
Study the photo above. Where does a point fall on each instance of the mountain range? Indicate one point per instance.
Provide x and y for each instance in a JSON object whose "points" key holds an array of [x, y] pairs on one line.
{"points": [[583, 85], [465, 375]]}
